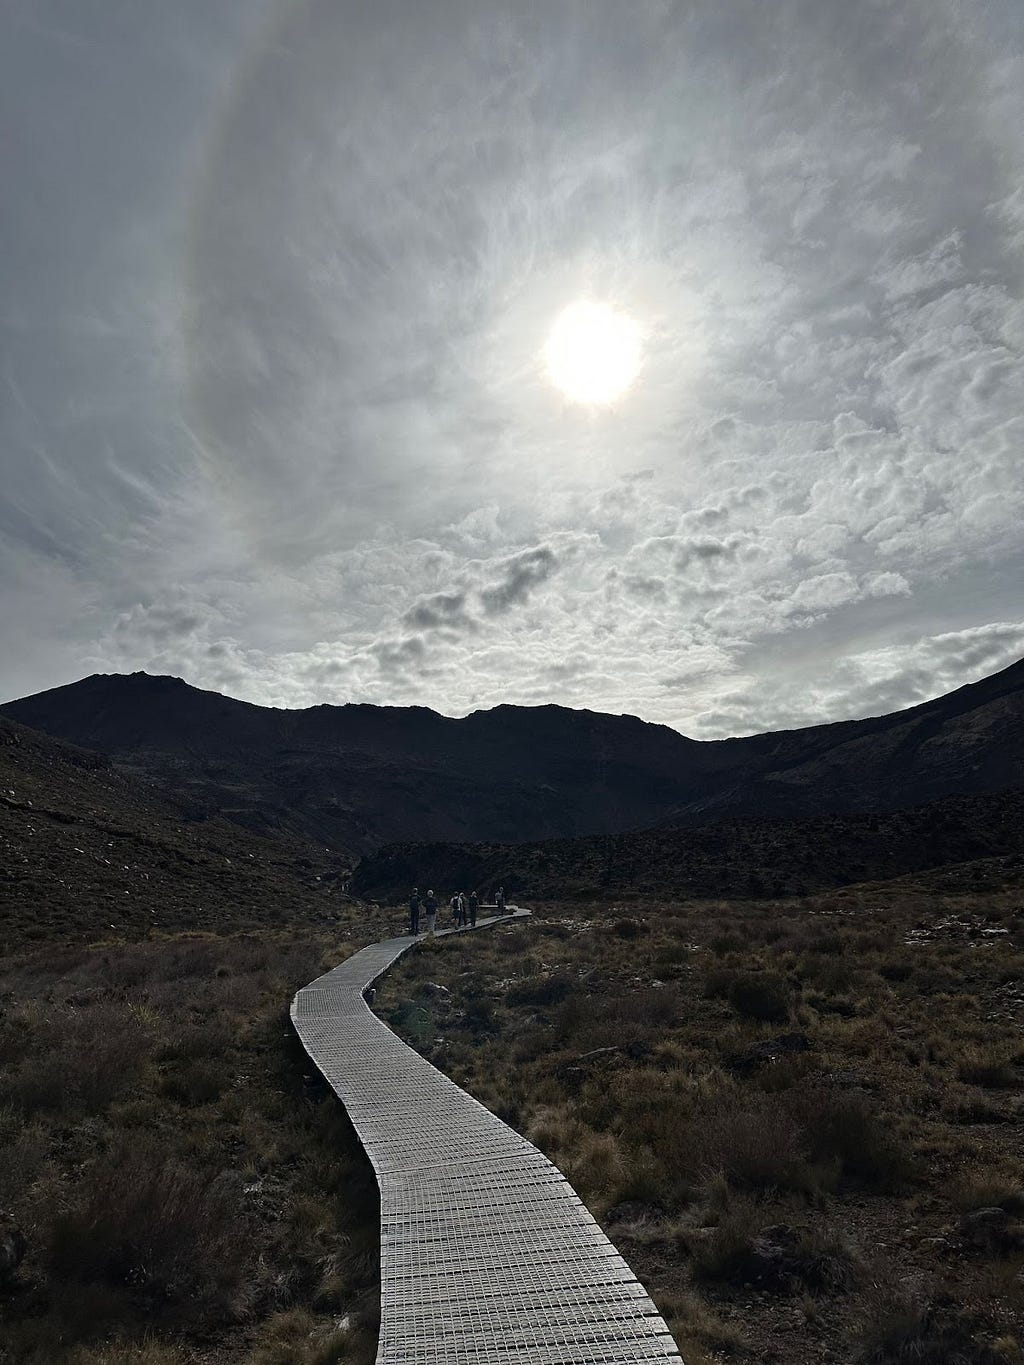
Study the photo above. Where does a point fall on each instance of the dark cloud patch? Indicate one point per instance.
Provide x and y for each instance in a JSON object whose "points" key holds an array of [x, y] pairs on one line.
{"points": [[441, 609], [399, 656], [704, 550], [522, 574]]}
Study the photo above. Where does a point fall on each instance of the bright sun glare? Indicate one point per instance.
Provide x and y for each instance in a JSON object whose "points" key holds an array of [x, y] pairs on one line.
{"points": [[592, 352]]}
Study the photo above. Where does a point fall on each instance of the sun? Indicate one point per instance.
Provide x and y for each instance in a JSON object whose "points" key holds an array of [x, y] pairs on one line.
{"points": [[592, 352]]}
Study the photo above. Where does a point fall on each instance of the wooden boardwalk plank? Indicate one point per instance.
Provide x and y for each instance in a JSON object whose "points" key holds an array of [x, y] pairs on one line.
{"points": [[488, 1255]]}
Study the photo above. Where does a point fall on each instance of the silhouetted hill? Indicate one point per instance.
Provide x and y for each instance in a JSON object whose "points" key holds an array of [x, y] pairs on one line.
{"points": [[729, 858], [87, 852], [356, 777]]}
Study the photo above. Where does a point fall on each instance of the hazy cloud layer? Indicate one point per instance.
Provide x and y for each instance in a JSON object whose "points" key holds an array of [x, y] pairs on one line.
{"points": [[276, 278]]}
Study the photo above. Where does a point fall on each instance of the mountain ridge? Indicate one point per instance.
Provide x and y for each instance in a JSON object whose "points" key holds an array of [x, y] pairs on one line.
{"points": [[356, 777]]}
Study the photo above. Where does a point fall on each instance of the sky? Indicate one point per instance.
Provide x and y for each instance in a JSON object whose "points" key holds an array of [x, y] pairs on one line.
{"points": [[276, 415]]}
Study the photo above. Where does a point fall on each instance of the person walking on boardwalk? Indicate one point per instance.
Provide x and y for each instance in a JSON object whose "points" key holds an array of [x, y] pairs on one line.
{"points": [[499, 900], [454, 903], [472, 906], [430, 906], [414, 912]]}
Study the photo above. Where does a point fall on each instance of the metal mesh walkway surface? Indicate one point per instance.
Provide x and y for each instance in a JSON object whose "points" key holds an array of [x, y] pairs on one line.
{"points": [[488, 1255]]}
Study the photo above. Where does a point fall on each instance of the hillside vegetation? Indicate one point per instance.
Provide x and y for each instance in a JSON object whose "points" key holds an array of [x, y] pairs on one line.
{"points": [[185, 1190], [729, 858], [800, 1121]]}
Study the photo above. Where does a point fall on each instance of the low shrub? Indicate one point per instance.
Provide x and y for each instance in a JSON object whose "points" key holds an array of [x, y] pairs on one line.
{"points": [[990, 1069], [718, 982], [764, 996], [630, 928], [697, 1328], [725, 1252], [172, 1232], [195, 1082], [900, 1328], [989, 1190], [541, 990], [845, 1134], [754, 1142]]}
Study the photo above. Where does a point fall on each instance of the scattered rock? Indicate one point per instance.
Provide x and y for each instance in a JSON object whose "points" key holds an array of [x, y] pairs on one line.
{"points": [[756, 1055]]}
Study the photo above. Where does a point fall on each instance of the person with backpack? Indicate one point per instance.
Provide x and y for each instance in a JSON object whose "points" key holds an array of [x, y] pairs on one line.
{"points": [[430, 906], [499, 900], [454, 903], [414, 912], [472, 906]]}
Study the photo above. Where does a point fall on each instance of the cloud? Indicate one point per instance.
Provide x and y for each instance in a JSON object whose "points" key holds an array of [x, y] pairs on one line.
{"points": [[275, 416], [441, 609], [521, 575]]}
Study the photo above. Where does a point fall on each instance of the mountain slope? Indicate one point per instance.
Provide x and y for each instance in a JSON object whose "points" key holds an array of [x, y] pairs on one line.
{"points": [[971, 740], [85, 851], [356, 777]]}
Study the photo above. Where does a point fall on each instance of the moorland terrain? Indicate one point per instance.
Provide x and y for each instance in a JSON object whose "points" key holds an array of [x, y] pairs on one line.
{"points": [[781, 1059]]}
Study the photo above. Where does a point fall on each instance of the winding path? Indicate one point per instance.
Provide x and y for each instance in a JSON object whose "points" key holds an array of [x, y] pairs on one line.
{"points": [[488, 1255]]}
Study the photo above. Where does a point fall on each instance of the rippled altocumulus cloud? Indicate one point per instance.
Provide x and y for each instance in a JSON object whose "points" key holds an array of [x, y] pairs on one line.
{"points": [[275, 417]]}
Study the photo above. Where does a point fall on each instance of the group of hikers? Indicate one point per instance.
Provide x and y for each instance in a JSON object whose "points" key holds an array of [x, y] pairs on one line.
{"points": [[464, 909]]}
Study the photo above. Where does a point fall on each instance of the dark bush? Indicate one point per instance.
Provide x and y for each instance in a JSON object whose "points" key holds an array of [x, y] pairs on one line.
{"points": [[844, 1132], [172, 1232], [718, 982], [754, 1142], [901, 1329], [630, 928], [990, 1070], [723, 943], [761, 995], [195, 1082], [540, 990], [896, 971]]}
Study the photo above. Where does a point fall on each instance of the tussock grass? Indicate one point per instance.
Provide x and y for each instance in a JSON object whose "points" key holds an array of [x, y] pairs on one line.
{"points": [[179, 1185], [767, 1101]]}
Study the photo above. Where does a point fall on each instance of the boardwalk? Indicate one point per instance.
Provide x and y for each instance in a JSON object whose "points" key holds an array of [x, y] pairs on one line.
{"points": [[488, 1256]]}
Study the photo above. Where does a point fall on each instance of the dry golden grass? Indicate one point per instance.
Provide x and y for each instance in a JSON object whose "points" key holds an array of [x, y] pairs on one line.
{"points": [[843, 1073]]}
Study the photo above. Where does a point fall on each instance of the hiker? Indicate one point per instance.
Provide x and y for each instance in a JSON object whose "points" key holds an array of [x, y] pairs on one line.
{"points": [[414, 912], [460, 917], [430, 906], [499, 900], [454, 903], [473, 905]]}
